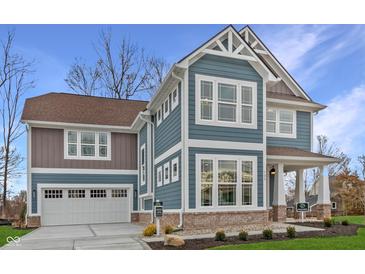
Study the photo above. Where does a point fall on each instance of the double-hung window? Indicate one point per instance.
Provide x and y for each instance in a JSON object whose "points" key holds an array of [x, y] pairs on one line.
{"points": [[159, 176], [175, 170], [159, 116], [226, 181], [143, 164], [166, 173], [87, 145], [281, 123], [225, 102], [166, 108], [174, 99]]}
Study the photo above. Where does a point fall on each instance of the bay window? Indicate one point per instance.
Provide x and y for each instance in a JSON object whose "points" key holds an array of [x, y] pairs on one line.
{"points": [[281, 123], [88, 145], [225, 102], [226, 181]]}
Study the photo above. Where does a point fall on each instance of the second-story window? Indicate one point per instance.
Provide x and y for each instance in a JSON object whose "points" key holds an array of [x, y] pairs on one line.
{"points": [[206, 100], [87, 145], [281, 123], [143, 164], [227, 102]]}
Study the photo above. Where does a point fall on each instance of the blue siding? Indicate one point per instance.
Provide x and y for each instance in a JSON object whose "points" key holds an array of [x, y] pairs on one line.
{"points": [[148, 204], [43, 178], [169, 194], [192, 169], [168, 133], [303, 140], [143, 140], [227, 68]]}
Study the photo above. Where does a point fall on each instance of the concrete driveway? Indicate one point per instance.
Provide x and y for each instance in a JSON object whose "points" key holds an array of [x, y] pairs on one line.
{"points": [[122, 236]]}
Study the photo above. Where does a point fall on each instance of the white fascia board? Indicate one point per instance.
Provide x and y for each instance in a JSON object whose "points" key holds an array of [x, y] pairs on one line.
{"points": [[36, 123], [296, 159], [307, 106], [84, 171]]}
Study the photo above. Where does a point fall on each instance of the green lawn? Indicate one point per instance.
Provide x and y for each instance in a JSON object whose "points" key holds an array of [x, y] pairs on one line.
{"points": [[6, 231], [319, 243]]}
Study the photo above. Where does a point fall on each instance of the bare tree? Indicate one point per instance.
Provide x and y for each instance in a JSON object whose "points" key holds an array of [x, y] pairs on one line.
{"points": [[14, 83], [83, 79], [361, 160], [120, 72]]}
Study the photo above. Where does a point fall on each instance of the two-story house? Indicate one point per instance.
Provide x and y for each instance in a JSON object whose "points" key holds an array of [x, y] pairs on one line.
{"points": [[213, 145]]}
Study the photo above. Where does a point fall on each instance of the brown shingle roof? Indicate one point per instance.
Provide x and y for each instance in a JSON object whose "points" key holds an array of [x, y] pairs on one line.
{"points": [[281, 96], [295, 152], [81, 109]]}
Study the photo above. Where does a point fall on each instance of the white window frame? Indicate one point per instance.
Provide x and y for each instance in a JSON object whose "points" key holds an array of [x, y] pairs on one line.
{"points": [[78, 144], [159, 182], [159, 120], [143, 169], [173, 162], [167, 101], [277, 123], [215, 158], [166, 181], [176, 103], [215, 122]]}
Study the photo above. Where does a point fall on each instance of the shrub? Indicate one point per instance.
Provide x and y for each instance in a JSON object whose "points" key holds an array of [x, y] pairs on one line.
{"points": [[267, 233], [345, 222], [327, 222], [243, 235], [150, 230], [290, 232], [220, 235], [169, 229]]}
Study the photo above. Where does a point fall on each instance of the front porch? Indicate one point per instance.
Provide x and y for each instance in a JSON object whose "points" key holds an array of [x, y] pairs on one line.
{"points": [[281, 160]]}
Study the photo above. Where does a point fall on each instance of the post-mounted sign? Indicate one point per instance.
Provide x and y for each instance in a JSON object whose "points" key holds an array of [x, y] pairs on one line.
{"points": [[158, 209], [302, 207]]}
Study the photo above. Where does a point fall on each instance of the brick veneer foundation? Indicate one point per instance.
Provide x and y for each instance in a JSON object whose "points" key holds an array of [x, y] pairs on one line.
{"points": [[33, 221], [323, 211], [142, 217], [279, 213]]}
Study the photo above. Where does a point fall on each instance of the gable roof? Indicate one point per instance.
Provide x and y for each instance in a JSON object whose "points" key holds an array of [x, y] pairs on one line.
{"points": [[265, 48], [81, 109]]}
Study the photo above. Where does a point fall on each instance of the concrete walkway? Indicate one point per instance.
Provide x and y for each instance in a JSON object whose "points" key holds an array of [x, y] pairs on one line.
{"points": [[122, 236]]}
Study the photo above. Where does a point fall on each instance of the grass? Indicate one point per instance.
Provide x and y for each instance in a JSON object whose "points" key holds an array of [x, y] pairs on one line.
{"points": [[317, 243], [6, 231]]}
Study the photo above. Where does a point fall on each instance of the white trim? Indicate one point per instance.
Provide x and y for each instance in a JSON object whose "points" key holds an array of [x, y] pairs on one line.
{"points": [[29, 171], [278, 134], [37, 123], [78, 155], [306, 106], [83, 186], [166, 181], [238, 104], [174, 105], [166, 113], [174, 178], [168, 153], [84, 171], [225, 144], [311, 131], [216, 158], [301, 158], [143, 149], [159, 182], [159, 121], [225, 209]]}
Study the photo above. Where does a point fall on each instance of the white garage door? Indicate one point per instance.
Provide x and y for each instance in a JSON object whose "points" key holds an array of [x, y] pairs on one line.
{"points": [[85, 206]]}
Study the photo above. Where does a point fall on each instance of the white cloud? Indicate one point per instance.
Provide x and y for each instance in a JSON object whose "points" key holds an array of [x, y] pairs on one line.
{"points": [[344, 121]]}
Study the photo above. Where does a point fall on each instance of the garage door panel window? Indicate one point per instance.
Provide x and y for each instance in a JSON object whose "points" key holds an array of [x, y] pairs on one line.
{"points": [[119, 193], [98, 193], [88, 145], [76, 193], [53, 194]]}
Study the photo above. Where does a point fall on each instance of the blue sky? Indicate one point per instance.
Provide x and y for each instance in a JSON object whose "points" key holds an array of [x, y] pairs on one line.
{"points": [[327, 60]]}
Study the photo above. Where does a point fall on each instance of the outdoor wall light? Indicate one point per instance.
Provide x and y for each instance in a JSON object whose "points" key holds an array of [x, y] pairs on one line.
{"points": [[272, 171]]}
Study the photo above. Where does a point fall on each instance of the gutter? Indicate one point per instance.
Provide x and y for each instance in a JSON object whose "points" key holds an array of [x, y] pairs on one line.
{"points": [[182, 168]]}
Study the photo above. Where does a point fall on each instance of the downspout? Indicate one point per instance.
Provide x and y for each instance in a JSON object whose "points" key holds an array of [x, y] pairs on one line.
{"points": [[153, 149], [181, 215]]}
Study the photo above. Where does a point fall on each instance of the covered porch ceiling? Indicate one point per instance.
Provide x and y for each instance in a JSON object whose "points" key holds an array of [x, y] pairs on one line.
{"points": [[294, 158]]}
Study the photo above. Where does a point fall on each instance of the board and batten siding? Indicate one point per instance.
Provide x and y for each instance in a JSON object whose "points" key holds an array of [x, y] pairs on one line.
{"points": [[226, 68], [168, 133], [48, 151], [100, 179], [169, 194], [303, 139], [143, 141], [193, 180]]}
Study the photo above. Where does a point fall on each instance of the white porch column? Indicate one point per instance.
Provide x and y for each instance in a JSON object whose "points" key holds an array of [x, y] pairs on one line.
{"points": [[279, 191], [299, 186], [323, 187]]}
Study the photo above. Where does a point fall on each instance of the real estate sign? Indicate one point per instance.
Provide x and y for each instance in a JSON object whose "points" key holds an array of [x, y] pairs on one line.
{"points": [[302, 207]]}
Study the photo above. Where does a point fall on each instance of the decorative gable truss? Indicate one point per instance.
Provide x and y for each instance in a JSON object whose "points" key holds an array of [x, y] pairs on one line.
{"points": [[229, 43]]}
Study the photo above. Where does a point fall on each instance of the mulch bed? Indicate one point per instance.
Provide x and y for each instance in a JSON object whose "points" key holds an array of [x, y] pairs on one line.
{"points": [[197, 244]]}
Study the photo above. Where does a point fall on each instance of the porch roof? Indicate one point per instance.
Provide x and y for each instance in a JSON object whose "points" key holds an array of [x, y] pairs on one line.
{"points": [[295, 157]]}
